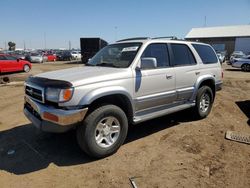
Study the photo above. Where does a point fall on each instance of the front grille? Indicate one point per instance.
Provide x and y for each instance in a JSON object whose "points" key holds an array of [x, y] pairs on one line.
{"points": [[35, 93], [32, 111]]}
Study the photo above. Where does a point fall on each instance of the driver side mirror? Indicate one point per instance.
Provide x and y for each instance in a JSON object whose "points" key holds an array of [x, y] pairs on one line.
{"points": [[148, 63], [17, 60]]}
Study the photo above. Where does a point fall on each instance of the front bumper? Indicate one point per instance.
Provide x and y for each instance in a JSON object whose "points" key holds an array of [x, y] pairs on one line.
{"points": [[50, 119]]}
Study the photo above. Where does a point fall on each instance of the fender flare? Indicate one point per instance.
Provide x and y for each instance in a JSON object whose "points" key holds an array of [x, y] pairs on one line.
{"points": [[105, 91], [198, 83]]}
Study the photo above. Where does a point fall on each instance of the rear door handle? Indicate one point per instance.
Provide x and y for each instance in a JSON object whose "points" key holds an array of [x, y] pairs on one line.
{"points": [[169, 77]]}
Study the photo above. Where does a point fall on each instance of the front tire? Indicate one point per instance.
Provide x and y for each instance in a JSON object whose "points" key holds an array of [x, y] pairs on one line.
{"points": [[245, 67], [204, 102], [103, 131], [26, 68]]}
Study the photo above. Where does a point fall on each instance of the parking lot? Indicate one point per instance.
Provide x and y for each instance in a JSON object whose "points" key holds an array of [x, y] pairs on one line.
{"points": [[171, 151]]}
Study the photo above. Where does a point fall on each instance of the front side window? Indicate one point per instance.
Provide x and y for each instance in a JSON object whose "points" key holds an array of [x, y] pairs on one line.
{"points": [[182, 55], [159, 52], [206, 53], [115, 55]]}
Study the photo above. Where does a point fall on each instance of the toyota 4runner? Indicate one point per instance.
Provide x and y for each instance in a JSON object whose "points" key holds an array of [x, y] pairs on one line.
{"points": [[125, 83]]}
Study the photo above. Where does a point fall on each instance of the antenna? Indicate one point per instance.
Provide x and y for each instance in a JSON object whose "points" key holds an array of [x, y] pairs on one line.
{"points": [[205, 21]]}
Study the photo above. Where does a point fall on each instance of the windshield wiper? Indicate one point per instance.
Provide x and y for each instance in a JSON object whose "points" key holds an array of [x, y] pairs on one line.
{"points": [[106, 65]]}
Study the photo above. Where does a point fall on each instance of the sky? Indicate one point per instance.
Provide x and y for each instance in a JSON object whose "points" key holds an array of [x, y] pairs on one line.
{"points": [[56, 23]]}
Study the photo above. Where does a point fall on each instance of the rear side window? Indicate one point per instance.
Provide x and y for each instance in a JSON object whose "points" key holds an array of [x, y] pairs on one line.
{"points": [[182, 55], [206, 53], [11, 58], [2, 58]]}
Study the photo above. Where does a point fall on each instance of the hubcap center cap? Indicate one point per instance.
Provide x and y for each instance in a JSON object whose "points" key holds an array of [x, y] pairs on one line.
{"points": [[106, 130]]}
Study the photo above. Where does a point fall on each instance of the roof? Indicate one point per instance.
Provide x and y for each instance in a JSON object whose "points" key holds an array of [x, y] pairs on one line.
{"points": [[225, 31]]}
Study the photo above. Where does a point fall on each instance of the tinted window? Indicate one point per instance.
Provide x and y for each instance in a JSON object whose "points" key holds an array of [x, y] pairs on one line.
{"points": [[158, 51], [2, 58], [11, 58], [182, 55], [206, 53]]}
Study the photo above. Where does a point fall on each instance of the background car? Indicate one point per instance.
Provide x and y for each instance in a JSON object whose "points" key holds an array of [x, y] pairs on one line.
{"points": [[243, 63], [50, 57], [235, 55], [238, 53], [36, 58], [10, 63], [64, 56], [76, 55], [220, 57]]}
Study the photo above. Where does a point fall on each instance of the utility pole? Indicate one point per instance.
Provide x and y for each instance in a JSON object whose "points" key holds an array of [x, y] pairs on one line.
{"points": [[45, 40], [116, 33], [5, 45], [24, 45], [69, 45]]}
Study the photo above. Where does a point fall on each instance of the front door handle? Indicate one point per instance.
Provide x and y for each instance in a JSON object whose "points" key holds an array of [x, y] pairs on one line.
{"points": [[169, 77], [197, 73]]}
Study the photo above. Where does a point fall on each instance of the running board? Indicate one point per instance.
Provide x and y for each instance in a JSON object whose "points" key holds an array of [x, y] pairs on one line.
{"points": [[160, 111]]}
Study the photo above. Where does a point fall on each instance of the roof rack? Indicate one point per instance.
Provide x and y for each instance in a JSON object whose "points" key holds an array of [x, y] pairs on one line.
{"points": [[147, 38], [168, 37], [136, 38]]}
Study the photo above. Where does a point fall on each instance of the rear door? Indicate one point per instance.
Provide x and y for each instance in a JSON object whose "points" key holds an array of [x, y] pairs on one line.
{"points": [[186, 71], [3, 64]]}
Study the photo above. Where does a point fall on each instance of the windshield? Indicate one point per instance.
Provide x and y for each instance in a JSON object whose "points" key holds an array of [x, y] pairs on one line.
{"points": [[116, 55]]}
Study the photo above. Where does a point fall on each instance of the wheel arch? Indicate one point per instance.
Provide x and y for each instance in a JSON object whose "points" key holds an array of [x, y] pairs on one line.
{"points": [[118, 97], [27, 65], [206, 80]]}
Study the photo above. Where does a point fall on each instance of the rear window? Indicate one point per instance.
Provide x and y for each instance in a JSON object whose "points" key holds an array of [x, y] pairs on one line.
{"points": [[206, 53]]}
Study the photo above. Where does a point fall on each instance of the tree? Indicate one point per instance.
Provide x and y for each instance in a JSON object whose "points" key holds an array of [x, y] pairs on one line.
{"points": [[12, 46]]}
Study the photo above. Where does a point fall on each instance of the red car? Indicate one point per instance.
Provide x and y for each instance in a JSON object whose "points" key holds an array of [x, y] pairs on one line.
{"points": [[51, 57], [10, 63]]}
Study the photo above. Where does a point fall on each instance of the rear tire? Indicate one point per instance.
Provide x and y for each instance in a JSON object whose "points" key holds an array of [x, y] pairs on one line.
{"points": [[204, 102], [103, 131]]}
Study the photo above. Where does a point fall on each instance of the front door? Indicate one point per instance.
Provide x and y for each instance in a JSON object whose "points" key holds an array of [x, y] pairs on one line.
{"points": [[156, 86]]}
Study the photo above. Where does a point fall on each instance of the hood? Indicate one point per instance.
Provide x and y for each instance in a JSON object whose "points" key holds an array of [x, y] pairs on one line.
{"points": [[87, 74]]}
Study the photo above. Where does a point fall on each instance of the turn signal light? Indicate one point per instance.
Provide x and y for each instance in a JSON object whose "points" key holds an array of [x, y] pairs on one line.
{"points": [[50, 117], [67, 93]]}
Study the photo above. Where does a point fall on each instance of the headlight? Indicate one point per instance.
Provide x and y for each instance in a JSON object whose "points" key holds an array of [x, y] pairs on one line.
{"points": [[59, 95]]}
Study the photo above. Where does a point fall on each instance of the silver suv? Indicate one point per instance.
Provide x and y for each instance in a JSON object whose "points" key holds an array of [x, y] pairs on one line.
{"points": [[125, 83]]}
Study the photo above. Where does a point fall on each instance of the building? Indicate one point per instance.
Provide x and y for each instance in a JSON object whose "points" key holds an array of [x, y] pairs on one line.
{"points": [[226, 38]]}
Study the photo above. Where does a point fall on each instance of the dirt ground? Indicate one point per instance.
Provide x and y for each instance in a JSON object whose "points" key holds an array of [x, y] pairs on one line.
{"points": [[172, 151]]}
